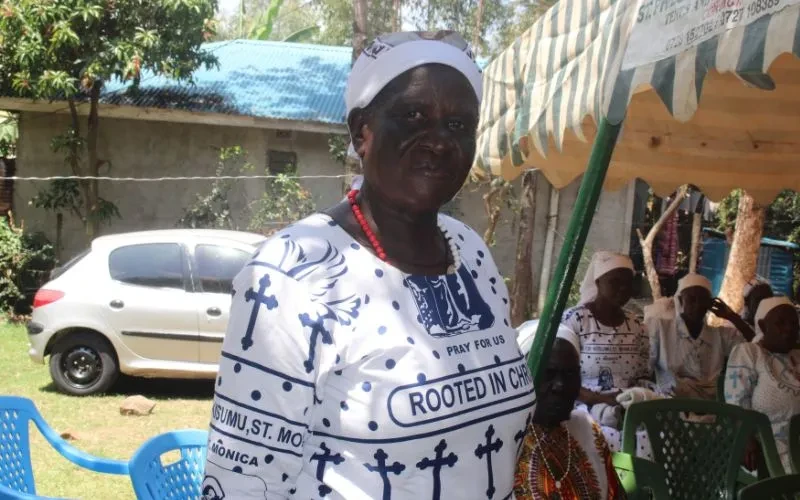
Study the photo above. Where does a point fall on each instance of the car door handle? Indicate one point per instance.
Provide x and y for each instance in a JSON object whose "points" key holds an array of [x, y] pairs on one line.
{"points": [[116, 304], [214, 311]]}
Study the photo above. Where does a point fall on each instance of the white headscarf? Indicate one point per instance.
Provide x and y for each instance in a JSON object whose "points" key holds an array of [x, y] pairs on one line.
{"points": [[668, 307], [764, 308], [393, 54], [753, 283], [603, 262]]}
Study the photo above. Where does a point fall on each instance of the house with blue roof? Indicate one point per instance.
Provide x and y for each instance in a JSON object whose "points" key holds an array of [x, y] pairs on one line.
{"points": [[279, 101]]}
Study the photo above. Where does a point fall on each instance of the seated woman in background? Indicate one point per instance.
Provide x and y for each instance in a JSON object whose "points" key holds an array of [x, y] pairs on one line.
{"points": [[765, 375], [564, 454], [755, 291], [613, 345], [687, 354]]}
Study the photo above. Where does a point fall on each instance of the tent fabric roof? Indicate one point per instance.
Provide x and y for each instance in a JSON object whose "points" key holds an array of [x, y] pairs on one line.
{"points": [[565, 73], [277, 80]]}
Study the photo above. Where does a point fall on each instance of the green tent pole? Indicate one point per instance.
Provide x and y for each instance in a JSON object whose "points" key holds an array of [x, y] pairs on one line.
{"points": [[572, 249]]}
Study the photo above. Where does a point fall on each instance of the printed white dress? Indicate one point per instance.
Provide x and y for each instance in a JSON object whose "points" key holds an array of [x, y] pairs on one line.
{"points": [[343, 378], [767, 382], [612, 358]]}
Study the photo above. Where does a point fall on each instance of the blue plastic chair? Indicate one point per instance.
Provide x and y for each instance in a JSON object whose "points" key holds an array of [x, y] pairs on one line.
{"points": [[180, 480], [16, 473]]}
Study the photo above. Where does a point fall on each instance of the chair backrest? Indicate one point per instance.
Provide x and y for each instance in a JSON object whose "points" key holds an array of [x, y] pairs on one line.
{"points": [[179, 480], [776, 488], [701, 455], [794, 443], [15, 453]]}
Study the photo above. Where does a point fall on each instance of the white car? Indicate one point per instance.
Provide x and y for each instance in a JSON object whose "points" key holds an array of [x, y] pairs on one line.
{"points": [[149, 304]]}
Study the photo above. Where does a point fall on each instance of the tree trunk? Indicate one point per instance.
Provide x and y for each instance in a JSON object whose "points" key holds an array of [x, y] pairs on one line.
{"points": [[359, 27], [694, 256], [476, 37], [353, 166], [397, 15], [491, 203], [74, 160], [743, 259], [647, 242], [522, 289], [92, 220]]}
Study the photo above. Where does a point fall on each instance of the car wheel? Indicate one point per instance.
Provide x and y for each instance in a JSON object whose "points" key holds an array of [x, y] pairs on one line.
{"points": [[83, 363]]}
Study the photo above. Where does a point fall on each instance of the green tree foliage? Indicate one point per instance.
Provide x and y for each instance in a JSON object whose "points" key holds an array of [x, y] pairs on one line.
{"points": [[25, 261], [521, 16], [67, 49]]}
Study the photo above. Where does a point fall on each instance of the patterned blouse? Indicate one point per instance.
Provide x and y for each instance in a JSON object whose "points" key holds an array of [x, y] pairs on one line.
{"points": [[760, 380], [342, 377], [611, 357], [591, 475]]}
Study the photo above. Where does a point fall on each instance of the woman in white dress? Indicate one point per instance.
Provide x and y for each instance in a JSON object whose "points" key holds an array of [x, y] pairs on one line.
{"points": [[765, 375], [688, 354], [613, 344], [369, 353]]}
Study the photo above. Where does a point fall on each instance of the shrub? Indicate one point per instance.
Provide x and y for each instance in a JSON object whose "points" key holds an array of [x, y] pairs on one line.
{"points": [[26, 260]]}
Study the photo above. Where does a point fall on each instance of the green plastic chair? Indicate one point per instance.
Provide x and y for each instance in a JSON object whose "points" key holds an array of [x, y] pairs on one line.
{"points": [[776, 488], [700, 459], [794, 443], [640, 478]]}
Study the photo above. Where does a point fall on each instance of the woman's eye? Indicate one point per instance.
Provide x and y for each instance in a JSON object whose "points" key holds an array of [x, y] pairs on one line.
{"points": [[414, 115], [455, 125]]}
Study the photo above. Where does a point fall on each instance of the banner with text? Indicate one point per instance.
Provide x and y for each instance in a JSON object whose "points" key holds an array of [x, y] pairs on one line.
{"points": [[663, 28]]}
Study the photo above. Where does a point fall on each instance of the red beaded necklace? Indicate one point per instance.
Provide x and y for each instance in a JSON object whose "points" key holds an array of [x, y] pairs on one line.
{"points": [[362, 221]]}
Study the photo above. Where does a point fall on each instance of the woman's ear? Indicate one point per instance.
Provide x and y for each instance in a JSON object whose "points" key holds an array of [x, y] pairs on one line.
{"points": [[360, 133]]}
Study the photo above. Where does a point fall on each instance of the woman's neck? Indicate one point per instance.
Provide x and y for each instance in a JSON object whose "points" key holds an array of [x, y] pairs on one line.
{"points": [[606, 313], [412, 238], [693, 325]]}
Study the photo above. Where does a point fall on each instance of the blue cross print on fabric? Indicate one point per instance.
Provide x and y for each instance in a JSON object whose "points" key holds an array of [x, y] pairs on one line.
{"points": [[519, 437], [384, 470], [450, 305], [322, 460], [260, 298], [437, 463], [486, 450], [317, 328]]}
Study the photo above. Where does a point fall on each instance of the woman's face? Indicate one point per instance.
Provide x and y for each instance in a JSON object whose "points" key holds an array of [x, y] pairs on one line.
{"points": [[696, 302], [417, 138], [559, 386], [616, 287], [781, 328], [754, 298]]}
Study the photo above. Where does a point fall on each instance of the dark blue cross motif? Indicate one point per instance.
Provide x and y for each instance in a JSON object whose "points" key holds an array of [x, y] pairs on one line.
{"points": [[260, 298], [519, 437], [322, 460], [437, 463], [384, 470], [317, 328], [487, 450]]}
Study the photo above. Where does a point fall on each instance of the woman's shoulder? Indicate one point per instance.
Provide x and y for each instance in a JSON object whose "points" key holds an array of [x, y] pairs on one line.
{"points": [[307, 250], [464, 236], [745, 353], [575, 313]]}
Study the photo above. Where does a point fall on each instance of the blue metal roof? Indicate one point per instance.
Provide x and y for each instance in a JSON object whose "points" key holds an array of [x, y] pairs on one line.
{"points": [[276, 80]]}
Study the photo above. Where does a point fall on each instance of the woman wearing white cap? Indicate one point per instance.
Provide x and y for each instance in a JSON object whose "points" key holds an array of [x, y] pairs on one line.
{"points": [[765, 375], [612, 342], [756, 290], [688, 354], [369, 353]]}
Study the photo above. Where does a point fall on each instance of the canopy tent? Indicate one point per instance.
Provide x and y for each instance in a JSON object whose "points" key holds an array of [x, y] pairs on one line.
{"points": [[646, 62]]}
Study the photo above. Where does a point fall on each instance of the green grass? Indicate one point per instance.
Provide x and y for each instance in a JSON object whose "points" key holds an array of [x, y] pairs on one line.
{"points": [[94, 420]]}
